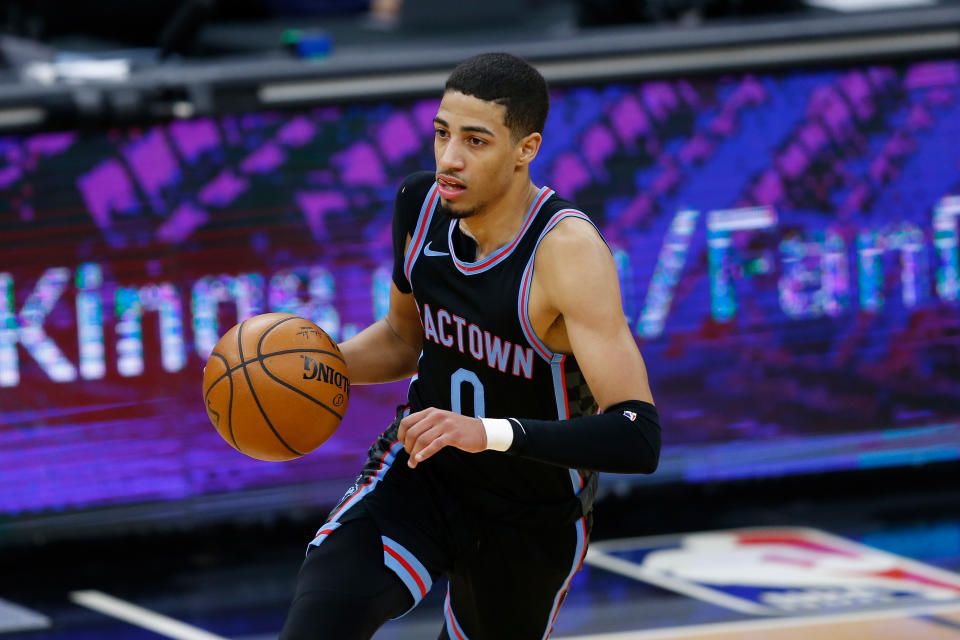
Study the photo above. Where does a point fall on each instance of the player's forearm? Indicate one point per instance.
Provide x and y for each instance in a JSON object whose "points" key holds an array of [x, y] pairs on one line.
{"points": [[379, 354], [623, 439]]}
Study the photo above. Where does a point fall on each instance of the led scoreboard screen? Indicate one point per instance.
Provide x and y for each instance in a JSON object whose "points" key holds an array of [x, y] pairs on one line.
{"points": [[787, 246]]}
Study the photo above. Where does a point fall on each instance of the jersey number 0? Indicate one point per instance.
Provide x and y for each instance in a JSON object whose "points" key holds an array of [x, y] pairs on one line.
{"points": [[457, 380]]}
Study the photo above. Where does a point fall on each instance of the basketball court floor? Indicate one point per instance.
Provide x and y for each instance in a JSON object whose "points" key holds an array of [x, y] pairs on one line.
{"points": [[805, 570]]}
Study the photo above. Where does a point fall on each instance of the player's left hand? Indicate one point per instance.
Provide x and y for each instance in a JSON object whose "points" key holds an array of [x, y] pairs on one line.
{"points": [[425, 432]]}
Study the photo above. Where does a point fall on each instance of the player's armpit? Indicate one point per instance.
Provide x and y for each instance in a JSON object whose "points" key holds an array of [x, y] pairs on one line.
{"points": [[575, 271]]}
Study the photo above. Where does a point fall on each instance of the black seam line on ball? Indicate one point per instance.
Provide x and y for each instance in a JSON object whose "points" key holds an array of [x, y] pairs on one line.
{"points": [[261, 357], [230, 405], [254, 393]]}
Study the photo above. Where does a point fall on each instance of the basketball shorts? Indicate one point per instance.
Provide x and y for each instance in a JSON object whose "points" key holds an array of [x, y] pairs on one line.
{"points": [[505, 579]]}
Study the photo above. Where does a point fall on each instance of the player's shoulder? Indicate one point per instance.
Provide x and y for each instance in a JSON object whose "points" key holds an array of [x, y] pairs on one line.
{"points": [[414, 189], [568, 225], [571, 252]]}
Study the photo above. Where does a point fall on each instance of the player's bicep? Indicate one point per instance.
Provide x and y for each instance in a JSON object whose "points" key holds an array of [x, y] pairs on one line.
{"points": [[609, 359], [583, 287]]}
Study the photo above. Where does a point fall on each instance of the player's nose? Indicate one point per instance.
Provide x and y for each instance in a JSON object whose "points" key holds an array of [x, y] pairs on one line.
{"points": [[450, 158]]}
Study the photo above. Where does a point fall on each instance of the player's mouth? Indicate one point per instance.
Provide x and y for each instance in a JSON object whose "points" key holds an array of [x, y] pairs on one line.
{"points": [[450, 188]]}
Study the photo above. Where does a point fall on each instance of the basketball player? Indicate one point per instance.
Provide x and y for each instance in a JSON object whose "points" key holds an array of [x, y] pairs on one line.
{"points": [[505, 308]]}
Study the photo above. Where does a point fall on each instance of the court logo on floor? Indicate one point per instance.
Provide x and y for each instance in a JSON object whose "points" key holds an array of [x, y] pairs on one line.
{"points": [[775, 571]]}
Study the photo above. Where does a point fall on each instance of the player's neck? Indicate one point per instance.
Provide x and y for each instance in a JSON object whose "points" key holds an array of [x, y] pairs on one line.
{"points": [[498, 223]]}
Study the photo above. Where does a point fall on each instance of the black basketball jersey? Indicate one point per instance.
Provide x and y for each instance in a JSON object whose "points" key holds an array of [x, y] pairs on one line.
{"points": [[480, 355]]}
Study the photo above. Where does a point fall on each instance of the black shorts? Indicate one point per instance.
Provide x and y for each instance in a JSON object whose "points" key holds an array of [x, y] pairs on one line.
{"points": [[506, 577]]}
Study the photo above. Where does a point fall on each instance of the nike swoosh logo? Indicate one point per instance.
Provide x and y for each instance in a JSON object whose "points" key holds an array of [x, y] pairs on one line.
{"points": [[427, 251]]}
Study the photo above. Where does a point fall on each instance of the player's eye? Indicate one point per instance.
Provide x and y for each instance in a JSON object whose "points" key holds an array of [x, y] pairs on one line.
{"points": [[441, 133], [477, 142]]}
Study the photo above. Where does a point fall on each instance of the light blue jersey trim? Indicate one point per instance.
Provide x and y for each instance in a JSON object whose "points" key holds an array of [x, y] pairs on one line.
{"points": [[454, 630], [501, 254], [581, 549], [419, 235], [409, 570]]}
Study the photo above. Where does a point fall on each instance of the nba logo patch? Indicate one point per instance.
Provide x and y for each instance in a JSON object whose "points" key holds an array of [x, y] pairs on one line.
{"points": [[778, 571], [630, 414]]}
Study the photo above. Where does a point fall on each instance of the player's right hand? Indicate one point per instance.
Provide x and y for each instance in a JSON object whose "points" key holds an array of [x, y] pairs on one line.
{"points": [[425, 432]]}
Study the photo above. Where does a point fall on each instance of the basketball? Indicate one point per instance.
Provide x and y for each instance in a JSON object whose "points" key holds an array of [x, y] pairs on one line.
{"points": [[275, 386]]}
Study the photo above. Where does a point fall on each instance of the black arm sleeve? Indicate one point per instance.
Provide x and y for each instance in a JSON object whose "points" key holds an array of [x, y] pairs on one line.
{"points": [[623, 439], [406, 211]]}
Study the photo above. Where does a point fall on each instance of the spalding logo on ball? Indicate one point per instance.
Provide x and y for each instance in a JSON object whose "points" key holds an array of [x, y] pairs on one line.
{"points": [[276, 386]]}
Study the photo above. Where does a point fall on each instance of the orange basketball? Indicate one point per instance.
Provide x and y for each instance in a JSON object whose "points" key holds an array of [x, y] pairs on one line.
{"points": [[276, 386]]}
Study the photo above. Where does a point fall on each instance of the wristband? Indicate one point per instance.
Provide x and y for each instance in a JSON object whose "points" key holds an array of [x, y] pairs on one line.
{"points": [[499, 433]]}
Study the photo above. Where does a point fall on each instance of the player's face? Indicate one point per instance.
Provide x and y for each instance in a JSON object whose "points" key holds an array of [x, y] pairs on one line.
{"points": [[475, 153]]}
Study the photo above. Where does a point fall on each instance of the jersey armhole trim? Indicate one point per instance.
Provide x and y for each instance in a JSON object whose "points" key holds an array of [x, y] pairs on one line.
{"points": [[419, 233], [526, 282], [557, 360]]}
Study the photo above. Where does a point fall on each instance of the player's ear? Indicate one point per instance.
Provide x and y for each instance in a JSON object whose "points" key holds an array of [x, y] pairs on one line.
{"points": [[527, 148]]}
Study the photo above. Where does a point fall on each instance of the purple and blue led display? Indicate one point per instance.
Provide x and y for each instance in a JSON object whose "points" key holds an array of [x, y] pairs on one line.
{"points": [[787, 247]]}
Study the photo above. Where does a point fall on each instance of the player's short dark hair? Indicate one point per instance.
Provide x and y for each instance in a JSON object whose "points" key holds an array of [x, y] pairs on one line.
{"points": [[507, 80]]}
